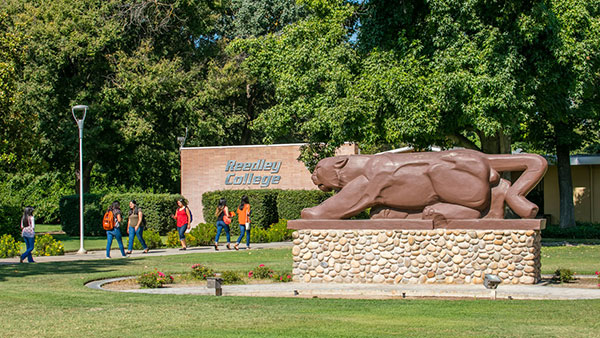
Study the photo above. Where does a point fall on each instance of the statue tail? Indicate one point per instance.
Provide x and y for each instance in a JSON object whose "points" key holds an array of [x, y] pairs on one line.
{"points": [[533, 166]]}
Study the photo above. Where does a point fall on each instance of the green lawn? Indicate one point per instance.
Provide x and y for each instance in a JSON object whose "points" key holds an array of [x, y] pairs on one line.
{"points": [[582, 259], [47, 227], [49, 299]]}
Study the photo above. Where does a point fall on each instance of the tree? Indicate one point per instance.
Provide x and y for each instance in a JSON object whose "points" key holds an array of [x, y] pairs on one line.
{"points": [[13, 123], [563, 64], [132, 63]]}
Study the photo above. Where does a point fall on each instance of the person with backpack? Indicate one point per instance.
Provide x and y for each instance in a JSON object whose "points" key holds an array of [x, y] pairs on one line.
{"points": [[111, 222], [223, 221], [243, 212], [28, 233], [135, 226], [184, 220]]}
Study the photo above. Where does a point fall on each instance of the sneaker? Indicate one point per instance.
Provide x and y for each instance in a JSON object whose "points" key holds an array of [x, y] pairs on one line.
{"points": [[181, 249], [106, 257]]}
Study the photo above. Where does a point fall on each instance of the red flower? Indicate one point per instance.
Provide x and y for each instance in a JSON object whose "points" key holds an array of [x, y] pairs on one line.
{"points": [[598, 272], [250, 274], [260, 266]]}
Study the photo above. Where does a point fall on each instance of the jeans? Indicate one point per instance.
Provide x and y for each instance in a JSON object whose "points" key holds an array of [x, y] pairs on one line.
{"points": [[220, 226], [242, 231], [116, 233], [140, 235], [29, 242], [181, 231]]}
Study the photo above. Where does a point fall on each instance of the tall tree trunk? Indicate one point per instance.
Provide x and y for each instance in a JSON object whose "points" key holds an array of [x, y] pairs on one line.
{"points": [[498, 143], [565, 186], [87, 174]]}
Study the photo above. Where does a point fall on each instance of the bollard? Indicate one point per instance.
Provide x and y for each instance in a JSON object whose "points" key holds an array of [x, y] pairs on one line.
{"points": [[215, 283]]}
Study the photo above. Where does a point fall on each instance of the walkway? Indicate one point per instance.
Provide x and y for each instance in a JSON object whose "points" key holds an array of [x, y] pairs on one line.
{"points": [[115, 254], [377, 291]]}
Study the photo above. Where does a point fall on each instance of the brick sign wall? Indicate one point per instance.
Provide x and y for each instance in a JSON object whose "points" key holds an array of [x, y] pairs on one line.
{"points": [[243, 167]]}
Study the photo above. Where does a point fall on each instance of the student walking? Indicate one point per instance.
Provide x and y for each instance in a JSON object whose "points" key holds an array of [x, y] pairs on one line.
{"points": [[182, 215], [113, 211], [135, 226], [222, 212], [243, 212], [28, 233]]}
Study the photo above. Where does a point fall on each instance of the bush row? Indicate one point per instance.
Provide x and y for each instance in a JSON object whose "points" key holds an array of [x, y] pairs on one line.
{"points": [[580, 231], [268, 206], [157, 209]]}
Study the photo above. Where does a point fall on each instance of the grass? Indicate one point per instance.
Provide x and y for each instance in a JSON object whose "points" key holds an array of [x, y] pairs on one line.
{"points": [[582, 259], [50, 299]]}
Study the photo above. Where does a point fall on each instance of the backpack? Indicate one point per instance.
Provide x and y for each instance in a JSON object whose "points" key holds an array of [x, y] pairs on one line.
{"points": [[191, 216], [108, 221]]}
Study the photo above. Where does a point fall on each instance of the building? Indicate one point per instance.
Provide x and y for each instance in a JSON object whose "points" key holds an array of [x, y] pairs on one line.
{"points": [[585, 173]]}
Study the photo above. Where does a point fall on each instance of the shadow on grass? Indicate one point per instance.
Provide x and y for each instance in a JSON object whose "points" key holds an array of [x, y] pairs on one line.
{"points": [[54, 268]]}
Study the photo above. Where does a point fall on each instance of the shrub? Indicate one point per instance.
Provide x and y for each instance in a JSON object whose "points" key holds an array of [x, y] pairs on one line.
{"points": [[201, 272], [154, 279], [9, 247], [279, 232], [564, 275], [46, 245], [231, 277], [291, 202], [580, 231], [173, 239], [263, 203], [282, 277], [190, 240], [151, 237], [156, 208], [92, 215], [10, 220], [204, 234], [261, 272], [275, 233]]}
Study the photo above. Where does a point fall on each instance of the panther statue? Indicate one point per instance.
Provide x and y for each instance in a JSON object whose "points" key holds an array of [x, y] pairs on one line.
{"points": [[455, 184]]}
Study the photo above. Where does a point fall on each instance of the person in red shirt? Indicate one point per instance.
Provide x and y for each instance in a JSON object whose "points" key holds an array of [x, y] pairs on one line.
{"points": [[182, 215], [243, 212]]}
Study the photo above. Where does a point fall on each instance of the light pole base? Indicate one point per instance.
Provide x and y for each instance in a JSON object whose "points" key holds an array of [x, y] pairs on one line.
{"points": [[81, 251]]}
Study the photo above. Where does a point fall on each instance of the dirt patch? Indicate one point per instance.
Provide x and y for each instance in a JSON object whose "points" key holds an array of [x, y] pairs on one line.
{"points": [[131, 284], [578, 282]]}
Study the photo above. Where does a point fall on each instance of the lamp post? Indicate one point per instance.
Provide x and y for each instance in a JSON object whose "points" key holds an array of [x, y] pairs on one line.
{"points": [[181, 140], [80, 126]]}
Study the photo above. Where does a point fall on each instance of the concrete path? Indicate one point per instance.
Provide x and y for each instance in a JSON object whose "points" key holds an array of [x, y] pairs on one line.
{"points": [[116, 254], [376, 291]]}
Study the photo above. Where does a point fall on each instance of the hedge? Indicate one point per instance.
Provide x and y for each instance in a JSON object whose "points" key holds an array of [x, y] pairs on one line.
{"points": [[263, 205], [92, 214], [580, 231], [10, 220], [157, 209], [291, 202]]}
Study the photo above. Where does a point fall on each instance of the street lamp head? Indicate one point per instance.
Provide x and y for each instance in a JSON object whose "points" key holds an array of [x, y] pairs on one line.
{"points": [[79, 107]]}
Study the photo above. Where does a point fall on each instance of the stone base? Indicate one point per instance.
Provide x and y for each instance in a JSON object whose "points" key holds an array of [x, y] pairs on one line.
{"points": [[451, 256]]}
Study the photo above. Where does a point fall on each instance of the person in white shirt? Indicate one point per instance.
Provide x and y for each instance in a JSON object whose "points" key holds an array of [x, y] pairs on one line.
{"points": [[28, 233]]}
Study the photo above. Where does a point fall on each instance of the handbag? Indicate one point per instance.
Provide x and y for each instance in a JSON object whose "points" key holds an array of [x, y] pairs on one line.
{"points": [[226, 219]]}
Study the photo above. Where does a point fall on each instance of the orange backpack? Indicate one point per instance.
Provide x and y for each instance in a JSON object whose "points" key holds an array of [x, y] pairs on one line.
{"points": [[108, 221]]}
